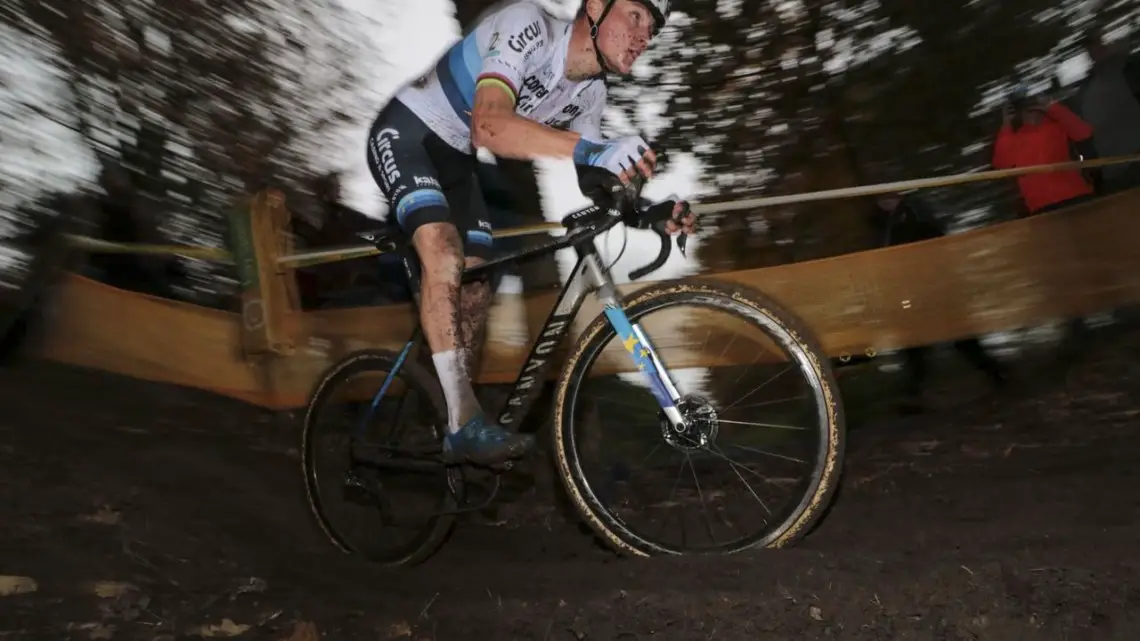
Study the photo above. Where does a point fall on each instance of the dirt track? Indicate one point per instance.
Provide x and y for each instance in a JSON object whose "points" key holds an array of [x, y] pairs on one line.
{"points": [[1018, 521]]}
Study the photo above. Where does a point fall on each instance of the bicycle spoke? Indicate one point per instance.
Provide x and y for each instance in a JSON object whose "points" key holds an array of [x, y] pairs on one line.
{"points": [[669, 501], [772, 454], [775, 426], [726, 346], [732, 464], [758, 387], [652, 452], [779, 400], [676, 482], [745, 373], [700, 496], [715, 451]]}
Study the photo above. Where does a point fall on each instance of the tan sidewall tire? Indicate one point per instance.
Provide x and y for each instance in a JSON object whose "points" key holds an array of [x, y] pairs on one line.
{"points": [[763, 310]]}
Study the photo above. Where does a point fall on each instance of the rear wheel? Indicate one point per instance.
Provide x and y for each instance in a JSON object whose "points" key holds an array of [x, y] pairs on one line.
{"points": [[614, 484], [368, 459]]}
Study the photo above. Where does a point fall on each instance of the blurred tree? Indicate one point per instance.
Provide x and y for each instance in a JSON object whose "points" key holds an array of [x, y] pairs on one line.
{"points": [[201, 103], [788, 97], [36, 133], [783, 97]]}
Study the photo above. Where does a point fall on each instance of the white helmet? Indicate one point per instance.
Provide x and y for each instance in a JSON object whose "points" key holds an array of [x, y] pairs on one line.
{"points": [[659, 9]]}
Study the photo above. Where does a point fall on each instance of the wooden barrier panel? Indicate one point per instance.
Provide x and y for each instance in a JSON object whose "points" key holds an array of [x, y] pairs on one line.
{"points": [[258, 234], [1016, 274], [1007, 276], [150, 338]]}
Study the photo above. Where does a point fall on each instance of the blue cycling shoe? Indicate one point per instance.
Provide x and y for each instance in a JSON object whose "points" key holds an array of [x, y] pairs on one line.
{"points": [[484, 443]]}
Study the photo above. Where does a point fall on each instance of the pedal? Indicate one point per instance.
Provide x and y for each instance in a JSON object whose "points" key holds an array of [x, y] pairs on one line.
{"points": [[368, 492], [467, 506]]}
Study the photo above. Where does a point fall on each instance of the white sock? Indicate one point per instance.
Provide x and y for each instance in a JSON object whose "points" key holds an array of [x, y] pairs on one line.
{"points": [[457, 391]]}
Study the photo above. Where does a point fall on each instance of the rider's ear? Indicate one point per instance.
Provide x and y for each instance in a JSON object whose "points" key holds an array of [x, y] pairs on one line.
{"points": [[591, 8]]}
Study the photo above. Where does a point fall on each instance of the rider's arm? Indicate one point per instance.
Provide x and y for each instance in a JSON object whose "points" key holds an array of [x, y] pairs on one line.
{"points": [[1076, 129], [496, 126], [519, 34]]}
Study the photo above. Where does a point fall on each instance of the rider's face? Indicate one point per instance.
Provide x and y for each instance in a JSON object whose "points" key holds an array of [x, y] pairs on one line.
{"points": [[625, 33]]}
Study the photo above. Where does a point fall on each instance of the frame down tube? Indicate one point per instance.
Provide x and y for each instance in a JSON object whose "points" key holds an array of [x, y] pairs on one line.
{"points": [[637, 344], [532, 377]]}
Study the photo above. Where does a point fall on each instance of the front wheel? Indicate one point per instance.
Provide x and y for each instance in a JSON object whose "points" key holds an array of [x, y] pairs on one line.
{"points": [[631, 475]]}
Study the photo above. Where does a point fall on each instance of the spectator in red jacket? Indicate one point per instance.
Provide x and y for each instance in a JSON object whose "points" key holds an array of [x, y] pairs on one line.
{"points": [[1039, 132]]}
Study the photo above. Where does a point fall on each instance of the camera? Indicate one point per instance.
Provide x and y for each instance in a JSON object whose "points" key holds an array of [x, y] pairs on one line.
{"points": [[1018, 98]]}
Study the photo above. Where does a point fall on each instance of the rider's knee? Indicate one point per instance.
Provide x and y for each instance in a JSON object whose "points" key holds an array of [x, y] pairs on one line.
{"points": [[440, 251], [479, 289]]}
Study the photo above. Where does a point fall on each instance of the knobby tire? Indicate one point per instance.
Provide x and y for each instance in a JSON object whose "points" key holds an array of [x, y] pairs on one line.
{"points": [[433, 534], [780, 325]]}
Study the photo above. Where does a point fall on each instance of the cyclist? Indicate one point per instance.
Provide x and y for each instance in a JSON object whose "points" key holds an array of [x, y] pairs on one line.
{"points": [[522, 84]]}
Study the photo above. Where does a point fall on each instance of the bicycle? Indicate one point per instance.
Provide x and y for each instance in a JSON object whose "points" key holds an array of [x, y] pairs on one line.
{"points": [[687, 424]]}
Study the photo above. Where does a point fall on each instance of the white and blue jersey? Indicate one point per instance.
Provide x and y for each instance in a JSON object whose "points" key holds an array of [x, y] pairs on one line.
{"points": [[523, 49]]}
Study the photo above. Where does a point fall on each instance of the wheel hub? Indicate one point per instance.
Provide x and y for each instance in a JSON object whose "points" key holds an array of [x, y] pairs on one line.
{"points": [[700, 424]]}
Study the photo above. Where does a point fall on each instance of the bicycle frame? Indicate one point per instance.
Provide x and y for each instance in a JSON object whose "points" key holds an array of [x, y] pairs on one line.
{"points": [[588, 275]]}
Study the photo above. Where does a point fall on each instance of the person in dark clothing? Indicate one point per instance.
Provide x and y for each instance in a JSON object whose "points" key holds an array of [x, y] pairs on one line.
{"points": [[123, 218], [903, 219], [1107, 103]]}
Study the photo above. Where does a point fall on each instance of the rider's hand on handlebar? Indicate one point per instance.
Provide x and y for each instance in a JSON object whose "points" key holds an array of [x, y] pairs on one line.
{"points": [[645, 166], [666, 219], [683, 219]]}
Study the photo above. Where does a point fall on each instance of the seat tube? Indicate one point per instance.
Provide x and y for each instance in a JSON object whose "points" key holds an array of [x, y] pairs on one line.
{"points": [[635, 341]]}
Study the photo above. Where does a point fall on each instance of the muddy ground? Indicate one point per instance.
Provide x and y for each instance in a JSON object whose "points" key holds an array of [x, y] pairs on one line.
{"points": [[138, 511]]}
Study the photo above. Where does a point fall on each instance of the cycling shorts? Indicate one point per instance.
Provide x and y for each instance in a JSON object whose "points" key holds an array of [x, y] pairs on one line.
{"points": [[425, 180]]}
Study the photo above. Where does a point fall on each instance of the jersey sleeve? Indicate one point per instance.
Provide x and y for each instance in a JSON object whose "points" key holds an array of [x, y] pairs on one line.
{"points": [[518, 33]]}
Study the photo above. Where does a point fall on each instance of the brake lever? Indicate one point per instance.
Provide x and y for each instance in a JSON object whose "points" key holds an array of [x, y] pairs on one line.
{"points": [[659, 227], [662, 254], [682, 238]]}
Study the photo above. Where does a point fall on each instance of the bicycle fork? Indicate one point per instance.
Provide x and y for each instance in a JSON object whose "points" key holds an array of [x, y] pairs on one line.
{"points": [[636, 344]]}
